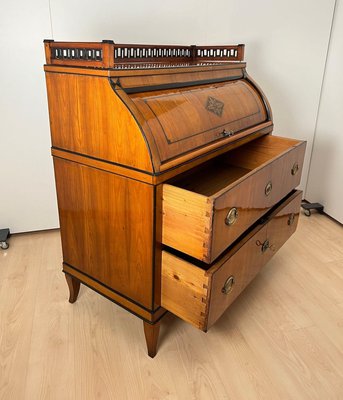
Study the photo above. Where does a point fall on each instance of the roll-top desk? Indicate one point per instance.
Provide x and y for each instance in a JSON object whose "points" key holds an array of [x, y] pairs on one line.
{"points": [[172, 192]]}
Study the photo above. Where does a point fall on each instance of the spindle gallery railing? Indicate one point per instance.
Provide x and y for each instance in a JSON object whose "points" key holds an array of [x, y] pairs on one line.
{"points": [[107, 54]]}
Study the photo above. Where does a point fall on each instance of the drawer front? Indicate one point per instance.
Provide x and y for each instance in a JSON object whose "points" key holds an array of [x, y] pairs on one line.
{"points": [[251, 257], [201, 297], [249, 200]]}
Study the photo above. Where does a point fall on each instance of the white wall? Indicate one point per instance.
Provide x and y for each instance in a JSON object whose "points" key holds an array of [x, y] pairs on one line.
{"points": [[325, 184], [27, 194], [286, 45]]}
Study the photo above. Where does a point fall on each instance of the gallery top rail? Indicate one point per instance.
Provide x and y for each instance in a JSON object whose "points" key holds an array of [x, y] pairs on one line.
{"points": [[107, 54]]}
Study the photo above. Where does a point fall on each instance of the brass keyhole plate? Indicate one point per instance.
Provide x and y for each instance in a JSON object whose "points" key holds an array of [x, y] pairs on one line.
{"points": [[265, 245], [291, 219]]}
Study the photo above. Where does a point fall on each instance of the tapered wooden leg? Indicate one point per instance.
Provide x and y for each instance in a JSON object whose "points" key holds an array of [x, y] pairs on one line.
{"points": [[74, 287], [151, 336]]}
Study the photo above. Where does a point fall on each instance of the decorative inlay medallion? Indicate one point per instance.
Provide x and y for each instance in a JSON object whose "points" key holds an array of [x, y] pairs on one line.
{"points": [[215, 106]]}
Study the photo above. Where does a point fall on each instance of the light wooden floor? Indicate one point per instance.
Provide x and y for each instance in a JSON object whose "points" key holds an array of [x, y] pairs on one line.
{"points": [[282, 338]]}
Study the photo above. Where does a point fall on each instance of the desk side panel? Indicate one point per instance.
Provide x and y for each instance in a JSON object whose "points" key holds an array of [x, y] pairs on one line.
{"points": [[88, 118], [107, 224]]}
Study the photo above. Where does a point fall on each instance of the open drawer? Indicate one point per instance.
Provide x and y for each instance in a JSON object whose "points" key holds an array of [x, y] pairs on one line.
{"points": [[206, 210], [201, 296]]}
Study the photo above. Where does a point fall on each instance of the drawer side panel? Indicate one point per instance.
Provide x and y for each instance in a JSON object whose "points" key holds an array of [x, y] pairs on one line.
{"points": [[184, 289], [187, 221]]}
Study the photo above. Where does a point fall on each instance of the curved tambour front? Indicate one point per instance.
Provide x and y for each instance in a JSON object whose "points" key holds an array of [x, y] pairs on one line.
{"points": [[183, 120]]}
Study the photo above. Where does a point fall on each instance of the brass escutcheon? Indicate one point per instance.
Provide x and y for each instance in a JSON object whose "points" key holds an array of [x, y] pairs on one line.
{"points": [[228, 285], [231, 216], [291, 219], [295, 168], [265, 245], [268, 188], [226, 133]]}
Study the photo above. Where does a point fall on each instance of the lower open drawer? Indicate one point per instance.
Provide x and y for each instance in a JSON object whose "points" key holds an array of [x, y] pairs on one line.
{"points": [[201, 296]]}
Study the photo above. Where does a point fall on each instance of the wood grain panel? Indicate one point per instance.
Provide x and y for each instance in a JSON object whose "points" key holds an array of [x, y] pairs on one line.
{"points": [[197, 157], [184, 289], [249, 198], [175, 78], [283, 224], [273, 160], [182, 121], [124, 302], [196, 295], [249, 259], [194, 157], [87, 117], [236, 180], [261, 151], [187, 219], [242, 266], [143, 71], [107, 228], [104, 165]]}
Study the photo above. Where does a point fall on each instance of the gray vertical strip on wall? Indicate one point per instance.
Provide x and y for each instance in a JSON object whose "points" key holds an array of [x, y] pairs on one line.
{"points": [[321, 91]]}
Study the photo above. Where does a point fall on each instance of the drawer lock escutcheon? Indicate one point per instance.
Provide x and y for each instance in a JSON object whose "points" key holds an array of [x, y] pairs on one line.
{"points": [[265, 245], [268, 188], [232, 216], [291, 219], [226, 133], [295, 168], [228, 285]]}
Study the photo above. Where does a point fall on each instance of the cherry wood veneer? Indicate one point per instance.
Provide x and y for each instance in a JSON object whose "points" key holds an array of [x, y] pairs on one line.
{"points": [[152, 147], [201, 201], [197, 295], [107, 228]]}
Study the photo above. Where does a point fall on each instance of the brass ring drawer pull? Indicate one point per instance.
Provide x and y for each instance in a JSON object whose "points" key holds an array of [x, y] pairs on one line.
{"points": [[231, 216], [228, 285], [268, 188], [295, 168]]}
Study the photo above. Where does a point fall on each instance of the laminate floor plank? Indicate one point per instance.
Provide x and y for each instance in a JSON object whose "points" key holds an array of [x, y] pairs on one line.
{"points": [[281, 339], [18, 300]]}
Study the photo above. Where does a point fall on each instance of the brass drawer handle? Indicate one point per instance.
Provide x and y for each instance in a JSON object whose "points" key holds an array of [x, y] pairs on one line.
{"points": [[231, 216], [228, 285], [295, 168], [268, 188], [291, 219]]}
